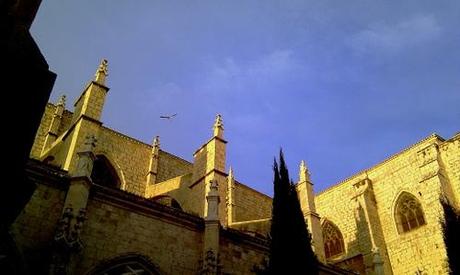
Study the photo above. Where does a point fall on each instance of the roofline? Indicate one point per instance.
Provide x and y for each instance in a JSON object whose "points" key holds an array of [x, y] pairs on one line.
{"points": [[145, 144], [128, 137], [252, 189], [388, 159]]}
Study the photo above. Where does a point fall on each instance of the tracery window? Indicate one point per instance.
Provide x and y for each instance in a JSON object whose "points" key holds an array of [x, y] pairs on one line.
{"points": [[409, 213], [333, 240]]}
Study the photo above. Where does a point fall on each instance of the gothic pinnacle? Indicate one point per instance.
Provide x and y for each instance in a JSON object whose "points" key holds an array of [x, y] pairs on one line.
{"points": [[218, 126], [102, 72], [304, 174], [230, 173], [156, 141], [61, 100]]}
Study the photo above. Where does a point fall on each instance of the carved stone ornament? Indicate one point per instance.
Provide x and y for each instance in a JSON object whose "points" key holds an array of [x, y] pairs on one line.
{"points": [[211, 263], [219, 122], [62, 100], [69, 229], [156, 141], [103, 68]]}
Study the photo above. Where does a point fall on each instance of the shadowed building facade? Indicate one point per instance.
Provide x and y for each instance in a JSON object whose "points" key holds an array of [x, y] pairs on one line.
{"points": [[106, 203]]}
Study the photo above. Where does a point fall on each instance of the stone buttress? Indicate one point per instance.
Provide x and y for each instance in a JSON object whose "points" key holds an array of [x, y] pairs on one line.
{"points": [[307, 204]]}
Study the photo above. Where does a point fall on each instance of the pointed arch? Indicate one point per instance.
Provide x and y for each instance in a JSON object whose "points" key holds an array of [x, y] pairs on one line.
{"points": [[115, 165], [104, 173], [333, 239], [408, 213], [130, 263]]}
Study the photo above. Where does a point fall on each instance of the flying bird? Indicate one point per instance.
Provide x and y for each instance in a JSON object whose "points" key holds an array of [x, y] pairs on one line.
{"points": [[168, 117]]}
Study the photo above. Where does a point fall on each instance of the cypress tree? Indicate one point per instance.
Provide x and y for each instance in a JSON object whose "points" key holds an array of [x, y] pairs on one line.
{"points": [[290, 249], [301, 242], [278, 246], [451, 231]]}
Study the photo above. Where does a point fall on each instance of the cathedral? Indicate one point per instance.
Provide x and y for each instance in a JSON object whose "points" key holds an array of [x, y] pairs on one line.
{"points": [[106, 203]]}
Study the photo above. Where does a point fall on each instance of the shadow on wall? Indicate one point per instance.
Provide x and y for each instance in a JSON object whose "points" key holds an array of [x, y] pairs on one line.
{"points": [[364, 242], [361, 243]]}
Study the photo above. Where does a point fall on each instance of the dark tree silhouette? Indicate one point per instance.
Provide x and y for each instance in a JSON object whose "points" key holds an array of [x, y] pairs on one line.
{"points": [[290, 248], [451, 232]]}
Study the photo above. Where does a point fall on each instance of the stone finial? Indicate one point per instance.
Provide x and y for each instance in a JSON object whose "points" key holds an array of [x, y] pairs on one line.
{"points": [[102, 72], [304, 174], [156, 141], [61, 101], [218, 126], [153, 166], [218, 122]]}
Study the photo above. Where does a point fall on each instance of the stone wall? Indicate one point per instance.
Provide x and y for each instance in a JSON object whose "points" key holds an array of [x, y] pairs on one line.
{"points": [[420, 249], [42, 131], [65, 122], [114, 227], [251, 204], [170, 166], [34, 229], [44, 127], [240, 254], [129, 157], [335, 204], [176, 188]]}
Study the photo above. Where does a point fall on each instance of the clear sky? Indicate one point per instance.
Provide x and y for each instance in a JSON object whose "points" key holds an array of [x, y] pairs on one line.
{"points": [[340, 84]]}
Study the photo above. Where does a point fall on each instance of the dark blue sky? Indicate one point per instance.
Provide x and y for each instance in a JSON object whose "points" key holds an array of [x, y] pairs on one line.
{"points": [[340, 84]]}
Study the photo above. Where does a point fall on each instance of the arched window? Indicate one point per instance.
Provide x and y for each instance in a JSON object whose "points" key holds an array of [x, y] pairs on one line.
{"points": [[103, 173], [408, 213], [125, 264], [333, 240]]}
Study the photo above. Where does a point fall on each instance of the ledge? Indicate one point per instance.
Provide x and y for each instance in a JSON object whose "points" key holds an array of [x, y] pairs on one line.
{"points": [[47, 174], [241, 237], [138, 204]]}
